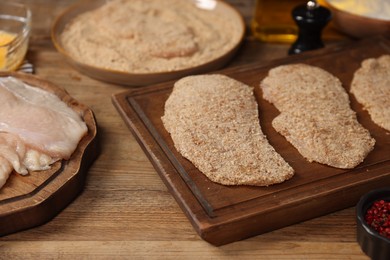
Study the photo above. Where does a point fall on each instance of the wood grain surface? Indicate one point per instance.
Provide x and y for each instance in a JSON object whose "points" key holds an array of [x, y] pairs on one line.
{"points": [[222, 214], [125, 210]]}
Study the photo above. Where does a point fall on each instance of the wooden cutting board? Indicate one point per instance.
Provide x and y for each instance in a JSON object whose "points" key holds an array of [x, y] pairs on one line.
{"points": [[222, 214], [31, 200]]}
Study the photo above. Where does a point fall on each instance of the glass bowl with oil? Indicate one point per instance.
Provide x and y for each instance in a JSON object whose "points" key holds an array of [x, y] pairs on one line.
{"points": [[15, 26]]}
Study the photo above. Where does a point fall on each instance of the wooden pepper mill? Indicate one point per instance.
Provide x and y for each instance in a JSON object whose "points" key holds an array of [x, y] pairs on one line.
{"points": [[311, 18]]}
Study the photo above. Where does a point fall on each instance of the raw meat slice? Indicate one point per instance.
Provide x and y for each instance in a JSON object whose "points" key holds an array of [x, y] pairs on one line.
{"points": [[36, 128], [315, 115], [214, 122], [371, 88]]}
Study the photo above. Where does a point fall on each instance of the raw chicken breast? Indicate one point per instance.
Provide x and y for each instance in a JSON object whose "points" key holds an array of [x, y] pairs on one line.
{"points": [[5, 170], [36, 129], [39, 118], [13, 150]]}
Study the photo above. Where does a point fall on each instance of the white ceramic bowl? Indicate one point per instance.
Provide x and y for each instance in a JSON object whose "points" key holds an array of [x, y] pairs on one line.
{"points": [[356, 25]]}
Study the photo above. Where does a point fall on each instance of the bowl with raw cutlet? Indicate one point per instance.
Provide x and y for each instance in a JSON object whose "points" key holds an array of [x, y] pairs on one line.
{"points": [[144, 42]]}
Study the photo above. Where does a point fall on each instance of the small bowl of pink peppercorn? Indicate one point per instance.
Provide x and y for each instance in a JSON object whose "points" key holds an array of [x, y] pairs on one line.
{"points": [[373, 223]]}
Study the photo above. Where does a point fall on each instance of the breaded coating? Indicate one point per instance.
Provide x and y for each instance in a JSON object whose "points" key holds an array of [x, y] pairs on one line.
{"points": [[371, 88], [214, 122], [316, 117]]}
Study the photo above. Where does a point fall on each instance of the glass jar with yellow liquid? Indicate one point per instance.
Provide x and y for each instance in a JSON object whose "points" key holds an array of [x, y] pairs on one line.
{"points": [[15, 20], [272, 20]]}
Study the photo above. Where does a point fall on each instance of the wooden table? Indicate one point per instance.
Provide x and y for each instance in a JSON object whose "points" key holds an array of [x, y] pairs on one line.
{"points": [[125, 210]]}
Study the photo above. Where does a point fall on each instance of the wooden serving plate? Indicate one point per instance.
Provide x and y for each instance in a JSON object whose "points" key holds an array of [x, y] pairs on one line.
{"points": [[223, 214], [28, 201]]}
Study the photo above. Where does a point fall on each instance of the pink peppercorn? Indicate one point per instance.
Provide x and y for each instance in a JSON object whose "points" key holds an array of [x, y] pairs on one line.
{"points": [[377, 217]]}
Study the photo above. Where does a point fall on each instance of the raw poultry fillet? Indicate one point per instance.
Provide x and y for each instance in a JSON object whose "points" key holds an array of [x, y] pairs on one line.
{"points": [[371, 88], [213, 121], [36, 128], [315, 116]]}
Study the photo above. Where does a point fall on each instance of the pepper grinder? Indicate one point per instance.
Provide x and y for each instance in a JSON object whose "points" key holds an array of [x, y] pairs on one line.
{"points": [[311, 18]]}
